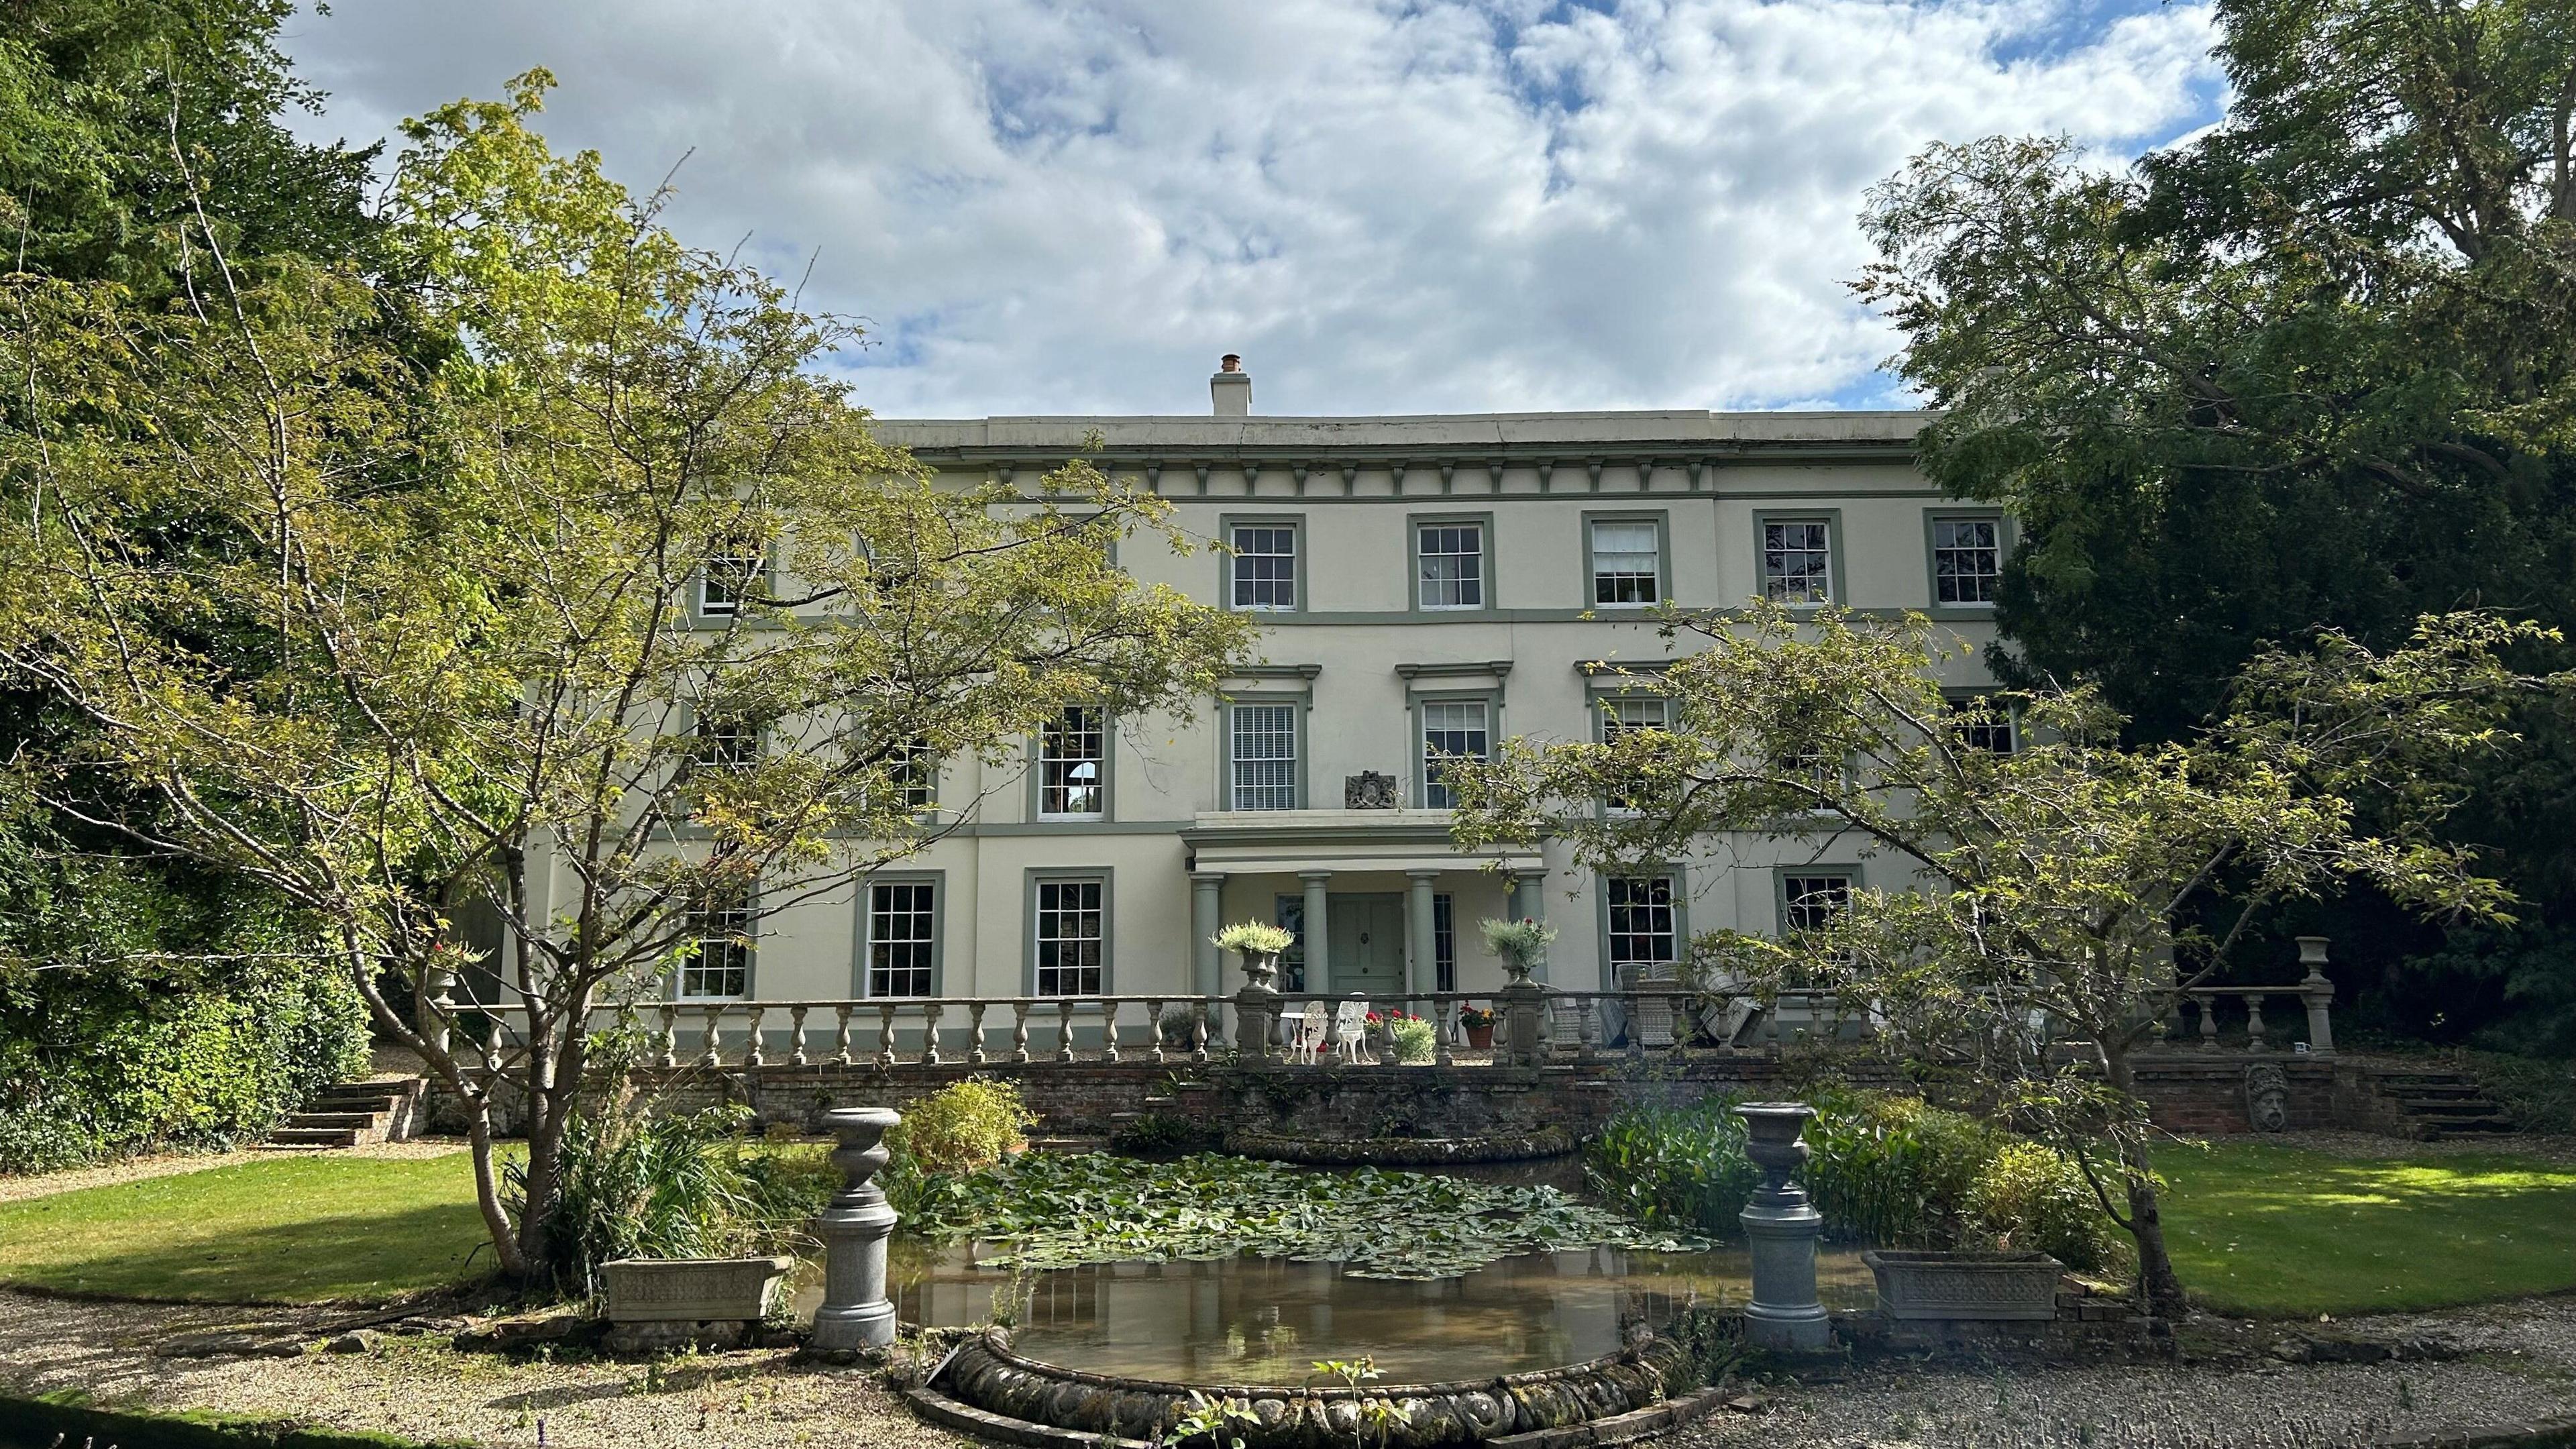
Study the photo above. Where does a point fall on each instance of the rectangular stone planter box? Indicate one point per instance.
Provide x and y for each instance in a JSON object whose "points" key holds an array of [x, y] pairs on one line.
{"points": [[1930, 1286], [691, 1290]]}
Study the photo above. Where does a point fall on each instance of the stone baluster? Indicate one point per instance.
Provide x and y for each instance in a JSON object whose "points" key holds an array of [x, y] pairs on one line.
{"points": [[1108, 1031], [841, 1035], [856, 1314], [1635, 1002], [1063, 1030], [437, 1008], [1385, 1031], [1444, 1025], [885, 1034], [975, 1029], [1685, 1024], [1019, 1031], [796, 1036], [1154, 1031], [2254, 1022], [713, 1056], [930, 1033], [2208, 1021], [751, 1055], [2317, 994], [1198, 1031], [668, 1036]]}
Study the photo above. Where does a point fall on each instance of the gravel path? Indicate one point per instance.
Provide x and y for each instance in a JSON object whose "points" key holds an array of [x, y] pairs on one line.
{"points": [[420, 1389], [2518, 1364]]}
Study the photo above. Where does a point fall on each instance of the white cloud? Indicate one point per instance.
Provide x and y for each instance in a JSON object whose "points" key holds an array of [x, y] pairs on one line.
{"points": [[1385, 206]]}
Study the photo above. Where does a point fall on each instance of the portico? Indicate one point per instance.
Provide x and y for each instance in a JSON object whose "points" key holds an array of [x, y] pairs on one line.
{"points": [[1381, 901]]}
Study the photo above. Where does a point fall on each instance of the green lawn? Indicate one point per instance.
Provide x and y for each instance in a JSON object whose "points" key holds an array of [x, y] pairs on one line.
{"points": [[2268, 1230], [284, 1230]]}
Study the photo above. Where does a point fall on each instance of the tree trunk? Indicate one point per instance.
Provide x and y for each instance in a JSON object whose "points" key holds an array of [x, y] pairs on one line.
{"points": [[2159, 1288], [487, 1193]]}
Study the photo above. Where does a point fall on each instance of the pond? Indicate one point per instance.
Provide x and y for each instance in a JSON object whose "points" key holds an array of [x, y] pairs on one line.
{"points": [[1266, 1320]]}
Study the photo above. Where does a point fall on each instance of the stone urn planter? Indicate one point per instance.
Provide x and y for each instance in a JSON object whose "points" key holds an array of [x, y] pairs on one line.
{"points": [[1927, 1286], [691, 1290]]}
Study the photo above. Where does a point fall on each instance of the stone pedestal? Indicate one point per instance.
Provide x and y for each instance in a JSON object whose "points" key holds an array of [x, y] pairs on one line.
{"points": [[856, 1313], [1256, 1017], [1780, 1227], [1521, 1005], [2317, 993]]}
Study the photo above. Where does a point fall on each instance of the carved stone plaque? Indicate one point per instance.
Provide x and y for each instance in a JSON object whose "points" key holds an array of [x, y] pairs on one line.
{"points": [[1368, 790], [2267, 1097]]}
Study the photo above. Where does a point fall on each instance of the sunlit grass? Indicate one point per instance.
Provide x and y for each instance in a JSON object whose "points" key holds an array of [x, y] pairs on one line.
{"points": [[2266, 1229]]}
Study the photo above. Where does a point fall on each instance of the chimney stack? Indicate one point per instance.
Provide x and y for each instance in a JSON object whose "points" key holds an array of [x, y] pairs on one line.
{"points": [[1230, 388]]}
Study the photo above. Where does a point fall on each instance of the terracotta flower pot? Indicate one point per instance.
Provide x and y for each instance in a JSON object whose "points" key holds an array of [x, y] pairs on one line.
{"points": [[1481, 1037]]}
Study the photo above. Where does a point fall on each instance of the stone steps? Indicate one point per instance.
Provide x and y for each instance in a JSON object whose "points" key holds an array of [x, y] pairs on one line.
{"points": [[349, 1114], [2436, 1104]]}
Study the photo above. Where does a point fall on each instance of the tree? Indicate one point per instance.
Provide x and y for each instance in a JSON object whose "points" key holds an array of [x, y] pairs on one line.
{"points": [[2314, 366], [599, 620], [2061, 882]]}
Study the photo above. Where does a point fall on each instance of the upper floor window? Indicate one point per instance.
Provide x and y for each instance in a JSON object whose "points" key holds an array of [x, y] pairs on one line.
{"points": [[729, 577], [1797, 560], [903, 937], [1073, 763], [1627, 716], [720, 922], [1627, 561], [1644, 929], [1984, 722], [1450, 563], [726, 742], [1265, 565], [1264, 748], [914, 770], [1452, 729], [1967, 560], [1813, 901], [1072, 937]]}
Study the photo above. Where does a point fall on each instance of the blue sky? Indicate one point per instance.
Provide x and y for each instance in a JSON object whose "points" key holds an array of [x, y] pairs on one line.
{"points": [[1385, 205]]}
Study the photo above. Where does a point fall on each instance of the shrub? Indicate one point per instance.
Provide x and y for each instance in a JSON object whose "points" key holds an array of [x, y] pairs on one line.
{"points": [[1884, 1169], [1523, 941], [963, 1127], [1253, 938], [1159, 1134]]}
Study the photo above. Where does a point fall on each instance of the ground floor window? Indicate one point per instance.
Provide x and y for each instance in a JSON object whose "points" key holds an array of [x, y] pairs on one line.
{"points": [[1291, 917], [721, 923], [1072, 939], [1444, 942], [903, 937], [1644, 931], [1812, 901]]}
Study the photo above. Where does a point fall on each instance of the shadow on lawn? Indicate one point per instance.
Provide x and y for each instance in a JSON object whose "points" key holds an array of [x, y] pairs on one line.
{"points": [[354, 1257]]}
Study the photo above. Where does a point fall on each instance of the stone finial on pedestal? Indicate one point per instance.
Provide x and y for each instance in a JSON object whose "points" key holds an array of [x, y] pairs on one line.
{"points": [[856, 1313], [1781, 1227]]}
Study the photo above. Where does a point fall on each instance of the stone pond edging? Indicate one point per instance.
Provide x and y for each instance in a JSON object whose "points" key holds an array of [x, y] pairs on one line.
{"points": [[985, 1388]]}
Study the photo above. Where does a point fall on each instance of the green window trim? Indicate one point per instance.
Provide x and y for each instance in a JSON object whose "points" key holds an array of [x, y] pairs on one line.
{"points": [[765, 577], [1226, 524], [2004, 540], [1837, 577], [1034, 876], [1303, 703], [750, 959], [1036, 792], [1678, 875], [1492, 699], [1780, 874], [1599, 701], [864, 933], [1414, 523], [1662, 519]]}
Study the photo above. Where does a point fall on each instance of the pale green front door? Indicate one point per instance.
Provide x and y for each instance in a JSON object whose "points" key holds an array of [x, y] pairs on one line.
{"points": [[1368, 943]]}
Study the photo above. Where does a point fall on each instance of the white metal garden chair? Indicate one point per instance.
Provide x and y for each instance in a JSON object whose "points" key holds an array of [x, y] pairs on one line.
{"points": [[1306, 1033], [1350, 1029]]}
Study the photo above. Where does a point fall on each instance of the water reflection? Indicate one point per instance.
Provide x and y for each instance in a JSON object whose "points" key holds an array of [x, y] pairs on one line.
{"points": [[1265, 1320]]}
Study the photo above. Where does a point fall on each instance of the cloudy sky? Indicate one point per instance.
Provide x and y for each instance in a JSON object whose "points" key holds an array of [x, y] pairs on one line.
{"points": [[1384, 205]]}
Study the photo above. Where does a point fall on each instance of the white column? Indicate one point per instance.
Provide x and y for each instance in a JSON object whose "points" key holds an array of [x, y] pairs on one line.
{"points": [[1319, 934], [1418, 937], [1205, 908], [1529, 902]]}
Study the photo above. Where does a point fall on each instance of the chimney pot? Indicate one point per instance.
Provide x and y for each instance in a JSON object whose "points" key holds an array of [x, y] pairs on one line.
{"points": [[1230, 388]]}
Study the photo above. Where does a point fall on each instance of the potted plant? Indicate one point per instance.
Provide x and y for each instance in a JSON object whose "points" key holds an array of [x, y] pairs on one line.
{"points": [[1974, 1286], [1259, 944], [1522, 944], [1478, 1022], [1414, 1038]]}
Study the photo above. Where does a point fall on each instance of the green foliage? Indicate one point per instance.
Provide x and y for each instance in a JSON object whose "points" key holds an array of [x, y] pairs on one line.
{"points": [[2537, 1093], [1524, 940], [1884, 1169], [963, 1127], [1159, 1134], [1058, 1210], [1253, 938], [142, 1010], [1416, 1040], [633, 1184]]}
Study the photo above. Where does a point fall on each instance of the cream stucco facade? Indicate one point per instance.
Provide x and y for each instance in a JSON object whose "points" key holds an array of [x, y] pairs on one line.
{"points": [[1422, 573]]}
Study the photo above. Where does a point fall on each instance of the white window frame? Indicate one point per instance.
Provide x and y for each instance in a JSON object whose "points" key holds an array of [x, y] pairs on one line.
{"points": [[1284, 790], [727, 936], [910, 914], [1482, 580], [1798, 590], [1484, 706], [1057, 773], [1043, 915]]}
